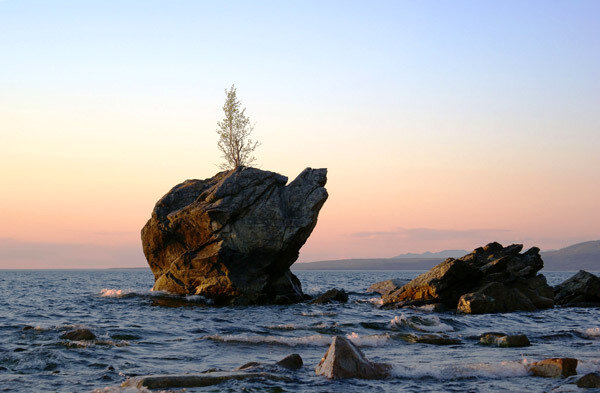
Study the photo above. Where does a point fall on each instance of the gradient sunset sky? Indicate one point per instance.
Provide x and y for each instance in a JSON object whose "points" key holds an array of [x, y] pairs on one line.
{"points": [[443, 124]]}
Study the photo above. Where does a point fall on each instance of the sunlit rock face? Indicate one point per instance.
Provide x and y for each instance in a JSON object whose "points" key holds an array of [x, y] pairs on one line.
{"points": [[490, 279], [232, 238]]}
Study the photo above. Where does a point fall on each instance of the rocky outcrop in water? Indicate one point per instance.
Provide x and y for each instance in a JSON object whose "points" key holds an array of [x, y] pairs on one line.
{"points": [[580, 290], [589, 381], [330, 296], [344, 360], [232, 238], [504, 340], [488, 280], [554, 368], [387, 286]]}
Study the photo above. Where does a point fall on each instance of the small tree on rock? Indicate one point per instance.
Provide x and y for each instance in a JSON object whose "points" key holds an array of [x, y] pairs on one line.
{"points": [[234, 133]]}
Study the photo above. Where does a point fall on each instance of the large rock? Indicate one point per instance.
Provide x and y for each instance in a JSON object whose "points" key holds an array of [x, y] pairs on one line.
{"points": [[581, 289], [344, 360], [589, 381], [554, 368], [232, 238], [504, 340], [387, 286], [490, 279]]}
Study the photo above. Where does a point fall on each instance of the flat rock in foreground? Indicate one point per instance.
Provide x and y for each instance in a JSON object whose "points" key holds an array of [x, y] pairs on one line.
{"points": [[344, 360], [490, 279], [232, 238]]}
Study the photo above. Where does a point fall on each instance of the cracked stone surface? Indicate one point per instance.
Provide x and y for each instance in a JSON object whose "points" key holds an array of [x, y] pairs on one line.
{"points": [[232, 238]]}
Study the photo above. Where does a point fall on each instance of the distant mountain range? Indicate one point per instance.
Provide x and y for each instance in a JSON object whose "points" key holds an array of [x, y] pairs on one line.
{"points": [[585, 256], [442, 254]]}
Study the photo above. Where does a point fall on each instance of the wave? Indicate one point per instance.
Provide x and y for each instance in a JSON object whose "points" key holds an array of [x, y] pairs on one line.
{"points": [[591, 332], [466, 371], [313, 340], [431, 323]]}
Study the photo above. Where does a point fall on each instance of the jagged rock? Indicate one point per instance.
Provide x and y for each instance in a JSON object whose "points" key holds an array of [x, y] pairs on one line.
{"points": [[79, 335], [387, 286], [554, 368], [490, 279], [344, 360], [504, 340], [589, 381], [337, 295], [581, 289], [291, 362], [232, 238]]}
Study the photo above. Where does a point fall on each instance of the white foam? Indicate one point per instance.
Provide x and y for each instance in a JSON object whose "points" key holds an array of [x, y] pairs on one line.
{"points": [[314, 340], [466, 371], [106, 292], [319, 314], [591, 332], [430, 323], [372, 340]]}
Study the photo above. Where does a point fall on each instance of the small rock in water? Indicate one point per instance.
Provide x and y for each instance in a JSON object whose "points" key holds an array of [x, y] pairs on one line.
{"points": [[338, 295], [27, 327], [504, 340], [344, 360], [554, 368], [591, 380], [79, 335], [291, 362]]}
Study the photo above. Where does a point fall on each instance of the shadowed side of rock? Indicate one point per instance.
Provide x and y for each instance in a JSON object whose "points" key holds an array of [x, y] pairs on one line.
{"points": [[232, 238], [344, 360]]}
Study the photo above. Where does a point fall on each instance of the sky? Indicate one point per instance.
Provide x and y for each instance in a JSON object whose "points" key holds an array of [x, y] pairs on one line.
{"points": [[443, 124]]}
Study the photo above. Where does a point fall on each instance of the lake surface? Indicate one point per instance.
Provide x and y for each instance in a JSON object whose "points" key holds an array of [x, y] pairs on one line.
{"points": [[141, 332]]}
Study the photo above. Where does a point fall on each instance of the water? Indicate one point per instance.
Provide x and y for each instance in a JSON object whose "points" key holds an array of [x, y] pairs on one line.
{"points": [[140, 333]]}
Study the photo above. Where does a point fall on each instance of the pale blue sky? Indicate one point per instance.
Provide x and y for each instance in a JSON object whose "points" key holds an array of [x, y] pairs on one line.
{"points": [[454, 115]]}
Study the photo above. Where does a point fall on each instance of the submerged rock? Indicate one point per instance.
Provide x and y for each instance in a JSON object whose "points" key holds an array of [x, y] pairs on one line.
{"points": [[344, 360], [79, 335], [554, 368], [433, 339], [198, 380], [581, 289], [337, 295], [232, 238], [504, 340], [291, 362], [589, 381], [387, 286], [488, 280]]}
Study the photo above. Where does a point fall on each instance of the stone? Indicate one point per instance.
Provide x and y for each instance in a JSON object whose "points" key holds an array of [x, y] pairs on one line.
{"points": [[198, 380], [387, 286], [248, 365], [337, 295], [344, 360], [581, 289], [589, 381], [232, 238], [554, 368], [291, 362], [504, 340], [490, 279], [79, 335]]}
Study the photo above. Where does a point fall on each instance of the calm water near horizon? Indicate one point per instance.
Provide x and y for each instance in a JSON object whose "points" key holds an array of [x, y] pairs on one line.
{"points": [[142, 332]]}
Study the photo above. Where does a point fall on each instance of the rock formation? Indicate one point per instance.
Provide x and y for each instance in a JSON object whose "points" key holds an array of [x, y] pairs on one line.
{"points": [[580, 290], [344, 360], [504, 340], [330, 296], [232, 238], [387, 286], [554, 368], [490, 279]]}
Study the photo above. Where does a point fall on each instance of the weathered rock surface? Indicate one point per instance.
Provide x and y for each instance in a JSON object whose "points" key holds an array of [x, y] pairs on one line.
{"points": [[387, 286], [198, 380], [332, 295], [581, 289], [504, 340], [291, 362], [589, 381], [554, 368], [232, 238], [79, 335], [344, 360], [488, 280]]}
